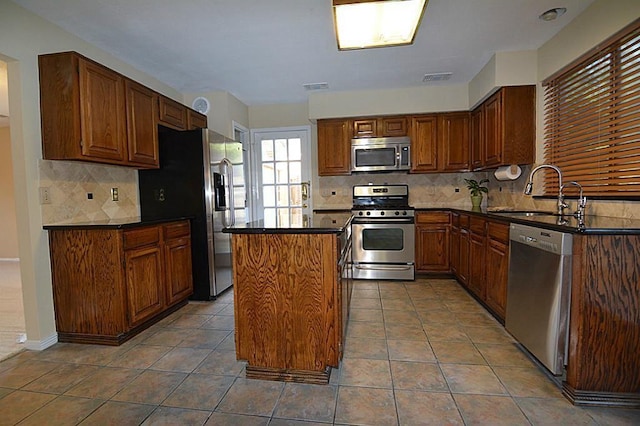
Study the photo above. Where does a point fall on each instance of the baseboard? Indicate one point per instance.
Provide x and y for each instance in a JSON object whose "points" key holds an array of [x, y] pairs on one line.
{"points": [[40, 345], [9, 259]]}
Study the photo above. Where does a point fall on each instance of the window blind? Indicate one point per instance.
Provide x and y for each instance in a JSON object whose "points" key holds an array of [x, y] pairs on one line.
{"points": [[592, 119]]}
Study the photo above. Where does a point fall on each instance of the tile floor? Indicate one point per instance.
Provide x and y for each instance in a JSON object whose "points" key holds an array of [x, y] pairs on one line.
{"points": [[11, 308], [417, 353]]}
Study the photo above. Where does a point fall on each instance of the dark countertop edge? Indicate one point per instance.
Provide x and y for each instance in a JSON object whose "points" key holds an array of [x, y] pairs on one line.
{"points": [[338, 229], [533, 222], [120, 224], [329, 211]]}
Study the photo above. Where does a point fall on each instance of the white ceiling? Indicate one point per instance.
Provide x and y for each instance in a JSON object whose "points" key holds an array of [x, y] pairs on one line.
{"points": [[263, 52]]}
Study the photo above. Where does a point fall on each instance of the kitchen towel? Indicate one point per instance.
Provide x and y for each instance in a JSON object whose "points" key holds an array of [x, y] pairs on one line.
{"points": [[508, 172]]}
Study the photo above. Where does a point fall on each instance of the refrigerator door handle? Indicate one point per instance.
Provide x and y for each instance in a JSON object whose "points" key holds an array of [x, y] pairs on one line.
{"points": [[226, 169]]}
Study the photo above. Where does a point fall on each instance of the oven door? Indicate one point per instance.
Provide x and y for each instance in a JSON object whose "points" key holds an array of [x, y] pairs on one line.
{"points": [[383, 241]]}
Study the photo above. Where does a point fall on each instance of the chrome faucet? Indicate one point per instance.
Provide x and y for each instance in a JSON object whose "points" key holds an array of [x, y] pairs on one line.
{"points": [[529, 187], [582, 200]]}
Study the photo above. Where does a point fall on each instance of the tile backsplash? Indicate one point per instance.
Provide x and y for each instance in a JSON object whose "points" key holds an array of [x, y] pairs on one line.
{"points": [[70, 182]]}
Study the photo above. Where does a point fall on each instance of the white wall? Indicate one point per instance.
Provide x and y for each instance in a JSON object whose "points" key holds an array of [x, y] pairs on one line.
{"points": [[8, 227], [23, 36], [225, 109]]}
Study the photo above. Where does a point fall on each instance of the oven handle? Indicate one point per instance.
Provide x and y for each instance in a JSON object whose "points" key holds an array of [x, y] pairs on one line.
{"points": [[359, 220], [383, 268]]}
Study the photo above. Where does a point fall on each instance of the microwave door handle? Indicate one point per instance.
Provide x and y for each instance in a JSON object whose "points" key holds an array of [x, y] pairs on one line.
{"points": [[398, 157]]}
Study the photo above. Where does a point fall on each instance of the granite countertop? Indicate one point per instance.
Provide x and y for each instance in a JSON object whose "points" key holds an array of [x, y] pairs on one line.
{"points": [[129, 222], [320, 222]]}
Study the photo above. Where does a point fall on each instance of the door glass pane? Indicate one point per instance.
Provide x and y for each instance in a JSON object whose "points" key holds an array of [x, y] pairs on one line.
{"points": [[283, 217], [267, 150], [281, 149], [283, 195], [267, 174], [269, 195], [296, 195], [282, 175], [295, 171], [295, 149]]}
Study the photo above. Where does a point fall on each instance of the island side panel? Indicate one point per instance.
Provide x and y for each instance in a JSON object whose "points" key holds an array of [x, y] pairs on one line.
{"points": [[285, 300]]}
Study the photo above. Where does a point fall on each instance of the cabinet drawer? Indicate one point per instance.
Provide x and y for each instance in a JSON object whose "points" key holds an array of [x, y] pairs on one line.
{"points": [[176, 230], [498, 231], [139, 237], [464, 221], [477, 225], [432, 217], [172, 113]]}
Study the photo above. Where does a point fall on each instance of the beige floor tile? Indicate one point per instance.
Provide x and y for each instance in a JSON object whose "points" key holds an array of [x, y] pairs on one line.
{"points": [[428, 304], [410, 350], [150, 387], [167, 337], [220, 322], [492, 334], [190, 321], [222, 363], [489, 410], [200, 392], [228, 344], [477, 379], [366, 303], [366, 406], [203, 308], [366, 293], [289, 422], [365, 372], [366, 315], [105, 383], [366, 348], [20, 404], [171, 416], [504, 355], [365, 284], [457, 353], [83, 353], [418, 376], [118, 413], [227, 310], [224, 419], [527, 382], [620, 417], [307, 402], [204, 339], [554, 411], [253, 397], [464, 306], [476, 319], [24, 373], [61, 378], [371, 330], [427, 408], [183, 360], [64, 410], [432, 316], [405, 332], [408, 317], [403, 304], [445, 332], [140, 356]]}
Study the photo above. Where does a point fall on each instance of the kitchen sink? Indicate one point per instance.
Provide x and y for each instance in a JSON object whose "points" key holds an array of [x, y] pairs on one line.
{"points": [[524, 213]]}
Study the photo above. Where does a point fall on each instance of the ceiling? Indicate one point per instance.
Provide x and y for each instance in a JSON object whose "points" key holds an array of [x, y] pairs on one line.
{"points": [[263, 52]]}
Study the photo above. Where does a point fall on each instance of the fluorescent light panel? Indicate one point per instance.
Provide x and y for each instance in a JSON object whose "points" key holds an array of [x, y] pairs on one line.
{"points": [[376, 23]]}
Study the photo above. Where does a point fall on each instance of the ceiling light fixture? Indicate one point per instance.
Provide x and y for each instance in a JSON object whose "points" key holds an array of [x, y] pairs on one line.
{"points": [[552, 14], [361, 24]]}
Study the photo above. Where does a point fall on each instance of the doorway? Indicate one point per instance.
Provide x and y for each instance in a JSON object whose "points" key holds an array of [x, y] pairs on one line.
{"points": [[12, 322], [281, 167]]}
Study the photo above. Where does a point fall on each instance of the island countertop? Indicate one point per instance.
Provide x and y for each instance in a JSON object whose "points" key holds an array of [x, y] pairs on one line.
{"points": [[320, 222]]}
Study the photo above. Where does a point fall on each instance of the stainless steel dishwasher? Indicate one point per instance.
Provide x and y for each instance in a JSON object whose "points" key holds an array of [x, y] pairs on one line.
{"points": [[538, 292]]}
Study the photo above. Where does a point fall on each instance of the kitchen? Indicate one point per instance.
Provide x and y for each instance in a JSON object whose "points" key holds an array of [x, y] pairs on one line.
{"points": [[507, 68]]}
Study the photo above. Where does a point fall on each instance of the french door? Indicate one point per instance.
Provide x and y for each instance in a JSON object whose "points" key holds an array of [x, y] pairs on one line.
{"points": [[281, 173]]}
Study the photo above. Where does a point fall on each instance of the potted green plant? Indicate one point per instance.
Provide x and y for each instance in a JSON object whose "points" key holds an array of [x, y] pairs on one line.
{"points": [[476, 189]]}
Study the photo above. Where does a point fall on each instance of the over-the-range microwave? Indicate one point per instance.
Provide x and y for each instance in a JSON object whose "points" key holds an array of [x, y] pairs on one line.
{"points": [[380, 154]]}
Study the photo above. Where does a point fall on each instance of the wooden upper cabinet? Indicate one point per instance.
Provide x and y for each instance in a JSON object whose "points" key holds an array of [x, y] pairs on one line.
{"points": [[142, 113], [379, 127], [477, 138], [334, 147], [91, 113], [195, 120], [453, 141], [172, 114], [424, 143], [492, 155]]}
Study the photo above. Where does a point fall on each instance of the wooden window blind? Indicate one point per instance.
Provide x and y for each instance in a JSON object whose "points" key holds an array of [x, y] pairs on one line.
{"points": [[592, 119]]}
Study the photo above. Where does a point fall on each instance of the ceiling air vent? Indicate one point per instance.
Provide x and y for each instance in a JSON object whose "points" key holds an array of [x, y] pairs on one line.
{"points": [[437, 76], [316, 86]]}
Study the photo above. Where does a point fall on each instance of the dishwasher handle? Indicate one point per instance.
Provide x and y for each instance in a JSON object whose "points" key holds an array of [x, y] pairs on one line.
{"points": [[543, 239]]}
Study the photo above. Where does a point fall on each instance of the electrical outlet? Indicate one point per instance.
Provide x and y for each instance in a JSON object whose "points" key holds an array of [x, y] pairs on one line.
{"points": [[45, 195], [114, 194]]}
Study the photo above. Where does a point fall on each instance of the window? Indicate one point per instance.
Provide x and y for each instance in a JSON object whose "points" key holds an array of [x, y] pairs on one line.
{"points": [[592, 119]]}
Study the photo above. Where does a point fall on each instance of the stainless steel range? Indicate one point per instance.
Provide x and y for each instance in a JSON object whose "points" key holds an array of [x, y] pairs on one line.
{"points": [[383, 233]]}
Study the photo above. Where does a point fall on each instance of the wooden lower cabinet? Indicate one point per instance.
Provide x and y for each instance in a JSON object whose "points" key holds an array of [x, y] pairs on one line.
{"points": [[289, 305], [111, 283], [497, 261], [432, 242]]}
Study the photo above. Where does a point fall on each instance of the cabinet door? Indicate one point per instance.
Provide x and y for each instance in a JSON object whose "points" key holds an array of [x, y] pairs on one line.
{"points": [[145, 286], [424, 138], [195, 120], [102, 102], [142, 124], [172, 114], [497, 275], [454, 250], [463, 265], [453, 146], [432, 248], [365, 128], [179, 278], [477, 264], [393, 126], [493, 131], [477, 138], [334, 148]]}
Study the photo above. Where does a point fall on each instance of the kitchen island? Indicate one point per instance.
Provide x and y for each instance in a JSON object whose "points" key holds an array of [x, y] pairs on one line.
{"points": [[292, 288]]}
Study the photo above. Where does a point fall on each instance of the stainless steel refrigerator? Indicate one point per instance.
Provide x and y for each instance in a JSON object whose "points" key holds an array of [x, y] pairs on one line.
{"points": [[201, 176]]}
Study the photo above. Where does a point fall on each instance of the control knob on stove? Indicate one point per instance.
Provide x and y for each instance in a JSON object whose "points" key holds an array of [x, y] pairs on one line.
{"points": [[381, 213], [397, 213], [368, 213], [360, 213], [404, 213]]}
